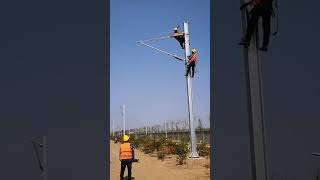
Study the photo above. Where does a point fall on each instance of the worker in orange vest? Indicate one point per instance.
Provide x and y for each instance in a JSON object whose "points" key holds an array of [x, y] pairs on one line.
{"points": [[264, 9], [126, 156], [178, 36], [192, 59]]}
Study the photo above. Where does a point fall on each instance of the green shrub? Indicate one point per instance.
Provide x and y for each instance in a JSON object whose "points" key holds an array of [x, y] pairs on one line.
{"points": [[181, 149], [148, 148], [148, 145], [203, 149], [136, 142], [156, 144], [161, 155], [167, 149]]}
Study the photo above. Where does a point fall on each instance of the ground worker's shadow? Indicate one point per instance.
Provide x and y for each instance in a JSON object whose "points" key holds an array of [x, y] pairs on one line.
{"points": [[126, 178]]}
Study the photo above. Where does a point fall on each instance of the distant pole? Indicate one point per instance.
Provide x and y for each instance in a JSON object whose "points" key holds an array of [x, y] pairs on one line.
{"points": [[146, 130], [165, 128], [253, 73], [44, 158], [113, 127], [124, 119], [194, 153]]}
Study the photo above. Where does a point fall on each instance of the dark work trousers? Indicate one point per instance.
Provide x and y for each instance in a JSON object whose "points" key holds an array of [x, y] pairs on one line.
{"points": [[256, 13], [180, 39], [123, 167], [191, 66]]}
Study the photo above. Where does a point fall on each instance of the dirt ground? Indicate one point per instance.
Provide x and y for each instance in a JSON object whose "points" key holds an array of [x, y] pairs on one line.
{"points": [[150, 168]]}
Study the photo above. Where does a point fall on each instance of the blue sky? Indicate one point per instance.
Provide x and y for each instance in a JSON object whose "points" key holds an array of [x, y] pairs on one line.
{"points": [[152, 84]]}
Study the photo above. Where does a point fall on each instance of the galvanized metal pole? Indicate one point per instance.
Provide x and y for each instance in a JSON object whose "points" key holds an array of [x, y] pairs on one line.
{"points": [[124, 119], [252, 61], [194, 153], [44, 158], [165, 127], [113, 127]]}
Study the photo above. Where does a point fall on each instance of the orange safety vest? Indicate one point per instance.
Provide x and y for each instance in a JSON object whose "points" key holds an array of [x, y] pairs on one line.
{"points": [[125, 151], [193, 58]]}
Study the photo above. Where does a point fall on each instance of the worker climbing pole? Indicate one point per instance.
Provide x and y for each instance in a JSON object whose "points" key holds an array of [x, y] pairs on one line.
{"points": [[179, 36], [190, 60], [260, 8], [253, 70]]}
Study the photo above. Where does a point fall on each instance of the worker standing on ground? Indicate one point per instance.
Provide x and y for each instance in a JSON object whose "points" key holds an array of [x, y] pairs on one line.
{"points": [[178, 36], [261, 8], [192, 59], [126, 156]]}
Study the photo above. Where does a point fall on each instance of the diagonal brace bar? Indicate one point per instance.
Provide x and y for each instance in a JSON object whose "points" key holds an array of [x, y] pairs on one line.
{"points": [[157, 39], [173, 55]]}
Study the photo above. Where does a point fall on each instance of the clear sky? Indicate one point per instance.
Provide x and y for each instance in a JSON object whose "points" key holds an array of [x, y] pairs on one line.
{"points": [[152, 84]]}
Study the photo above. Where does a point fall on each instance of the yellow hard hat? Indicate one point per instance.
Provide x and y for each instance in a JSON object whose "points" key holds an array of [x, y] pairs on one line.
{"points": [[125, 138], [194, 50]]}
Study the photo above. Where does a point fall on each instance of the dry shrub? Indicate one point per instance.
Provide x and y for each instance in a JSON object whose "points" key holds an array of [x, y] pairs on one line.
{"points": [[161, 155], [181, 149], [167, 149], [203, 149]]}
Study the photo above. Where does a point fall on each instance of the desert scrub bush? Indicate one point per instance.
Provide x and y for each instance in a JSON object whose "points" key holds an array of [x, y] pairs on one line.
{"points": [[203, 149], [161, 155], [156, 144], [136, 142], [181, 150], [168, 147], [148, 146]]}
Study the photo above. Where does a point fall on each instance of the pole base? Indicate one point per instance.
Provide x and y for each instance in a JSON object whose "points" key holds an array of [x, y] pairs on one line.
{"points": [[194, 155]]}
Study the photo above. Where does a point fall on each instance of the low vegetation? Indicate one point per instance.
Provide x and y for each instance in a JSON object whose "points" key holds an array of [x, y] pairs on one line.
{"points": [[203, 149], [163, 147]]}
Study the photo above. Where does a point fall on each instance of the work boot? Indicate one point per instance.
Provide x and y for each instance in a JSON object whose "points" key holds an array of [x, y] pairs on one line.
{"points": [[244, 43], [264, 48]]}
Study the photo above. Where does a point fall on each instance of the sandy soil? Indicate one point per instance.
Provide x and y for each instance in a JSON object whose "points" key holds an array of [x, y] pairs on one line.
{"points": [[150, 168]]}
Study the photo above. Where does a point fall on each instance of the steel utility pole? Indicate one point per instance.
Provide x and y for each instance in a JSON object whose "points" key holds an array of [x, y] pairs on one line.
{"points": [[113, 127], [165, 128], [146, 130], [252, 62], [124, 119], [194, 153]]}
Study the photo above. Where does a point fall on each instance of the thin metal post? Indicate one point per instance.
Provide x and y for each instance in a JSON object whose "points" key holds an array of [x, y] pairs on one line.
{"points": [[113, 127], [165, 127], [44, 158], [194, 153], [124, 119], [253, 71]]}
